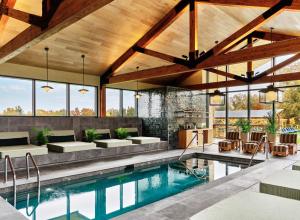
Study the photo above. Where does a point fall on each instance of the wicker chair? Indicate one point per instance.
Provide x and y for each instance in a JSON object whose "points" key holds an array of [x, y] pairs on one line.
{"points": [[288, 141], [255, 138], [232, 142]]}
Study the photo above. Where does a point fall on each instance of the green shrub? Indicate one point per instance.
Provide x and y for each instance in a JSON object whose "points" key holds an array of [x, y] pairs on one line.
{"points": [[121, 133], [41, 135], [271, 124], [91, 135], [244, 125]]}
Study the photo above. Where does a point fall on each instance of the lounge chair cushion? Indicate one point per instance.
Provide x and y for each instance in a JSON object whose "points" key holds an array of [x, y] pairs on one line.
{"points": [[144, 140], [55, 139], [251, 205], [21, 150], [132, 132], [112, 143], [284, 183], [63, 147], [14, 141]]}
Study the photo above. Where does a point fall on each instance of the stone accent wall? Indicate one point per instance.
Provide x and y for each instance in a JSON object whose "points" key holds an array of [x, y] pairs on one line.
{"points": [[78, 124], [158, 107]]}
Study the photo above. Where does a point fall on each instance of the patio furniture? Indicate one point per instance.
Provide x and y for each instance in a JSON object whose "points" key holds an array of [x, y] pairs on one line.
{"points": [[136, 139], [284, 183], [249, 206], [105, 141], [291, 141], [255, 139], [63, 141], [225, 145], [280, 150], [17, 144]]}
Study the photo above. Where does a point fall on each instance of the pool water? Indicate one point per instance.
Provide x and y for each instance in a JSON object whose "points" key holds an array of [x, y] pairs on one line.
{"points": [[105, 198]]}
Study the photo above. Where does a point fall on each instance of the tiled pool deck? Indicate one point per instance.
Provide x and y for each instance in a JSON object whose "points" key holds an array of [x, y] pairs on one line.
{"points": [[180, 206]]}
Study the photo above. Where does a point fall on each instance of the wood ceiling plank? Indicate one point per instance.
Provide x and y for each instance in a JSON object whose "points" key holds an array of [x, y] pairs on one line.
{"points": [[159, 27], [226, 74], [4, 19], [67, 13]]}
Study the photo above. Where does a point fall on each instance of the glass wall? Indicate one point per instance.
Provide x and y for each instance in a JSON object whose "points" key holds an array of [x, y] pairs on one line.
{"points": [[129, 103], [83, 104], [52, 103], [120, 103], [16, 97]]}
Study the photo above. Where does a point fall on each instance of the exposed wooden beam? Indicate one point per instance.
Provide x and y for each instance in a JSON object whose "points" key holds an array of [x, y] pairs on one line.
{"points": [[255, 53], [249, 63], [102, 101], [267, 79], [149, 73], [68, 12], [226, 74], [252, 26], [251, 3], [159, 27], [275, 36], [4, 19], [193, 12], [162, 56], [277, 67], [21, 16], [248, 54]]}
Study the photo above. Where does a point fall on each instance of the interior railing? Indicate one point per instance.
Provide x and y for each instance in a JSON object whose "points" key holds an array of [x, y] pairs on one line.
{"points": [[28, 155], [264, 139]]}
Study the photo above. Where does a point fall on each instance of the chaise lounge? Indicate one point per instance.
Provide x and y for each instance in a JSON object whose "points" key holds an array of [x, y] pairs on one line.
{"points": [[65, 141], [105, 140], [136, 139], [17, 144]]}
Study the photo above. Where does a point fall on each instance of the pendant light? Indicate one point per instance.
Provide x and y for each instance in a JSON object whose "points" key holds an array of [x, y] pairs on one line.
{"points": [[83, 90], [46, 87], [271, 93], [217, 98], [137, 94]]}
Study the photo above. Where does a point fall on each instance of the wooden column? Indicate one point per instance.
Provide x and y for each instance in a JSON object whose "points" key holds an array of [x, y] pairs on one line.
{"points": [[102, 101], [193, 30]]}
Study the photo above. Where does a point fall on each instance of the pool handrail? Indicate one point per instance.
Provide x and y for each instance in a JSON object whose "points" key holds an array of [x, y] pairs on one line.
{"points": [[8, 159]]}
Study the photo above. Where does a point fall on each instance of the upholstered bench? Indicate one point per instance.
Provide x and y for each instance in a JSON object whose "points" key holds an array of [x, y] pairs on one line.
{"points": [[225, 146], [281, 150], [292, 149]]}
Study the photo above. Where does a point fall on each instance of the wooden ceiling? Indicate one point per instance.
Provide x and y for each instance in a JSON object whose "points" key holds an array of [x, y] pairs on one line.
{"points": [[107, 33]]}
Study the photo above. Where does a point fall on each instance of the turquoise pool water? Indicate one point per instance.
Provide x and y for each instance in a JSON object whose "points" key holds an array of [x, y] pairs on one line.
{"points": [[105, 198]]}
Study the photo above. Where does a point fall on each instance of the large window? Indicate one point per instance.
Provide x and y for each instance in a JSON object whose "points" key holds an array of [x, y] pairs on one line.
{"points": [[113, 102], [129, 103], [52, 103], [82, 104], [17, 99], [15, 96], [120, 103]]}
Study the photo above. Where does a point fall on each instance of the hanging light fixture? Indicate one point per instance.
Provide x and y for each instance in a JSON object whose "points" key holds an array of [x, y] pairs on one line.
{"points": [[46, 87], [137, 94], [271, 93], [217, 98], [83, 90]]}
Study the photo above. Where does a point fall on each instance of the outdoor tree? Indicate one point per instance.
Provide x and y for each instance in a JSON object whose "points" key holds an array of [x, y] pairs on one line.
{"points": [[291, 105]]}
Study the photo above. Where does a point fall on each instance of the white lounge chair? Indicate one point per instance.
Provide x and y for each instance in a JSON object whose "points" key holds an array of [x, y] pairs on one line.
{"points": [[136, 139], [17, 144], [284, 183], [105, 140], [65, 141], [251, 206]]}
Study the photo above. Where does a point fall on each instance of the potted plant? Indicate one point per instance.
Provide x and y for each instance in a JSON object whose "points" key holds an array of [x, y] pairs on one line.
{"points": [[91, 135], [41, 136], [121, 133], [271, 127], [244, 126]]}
